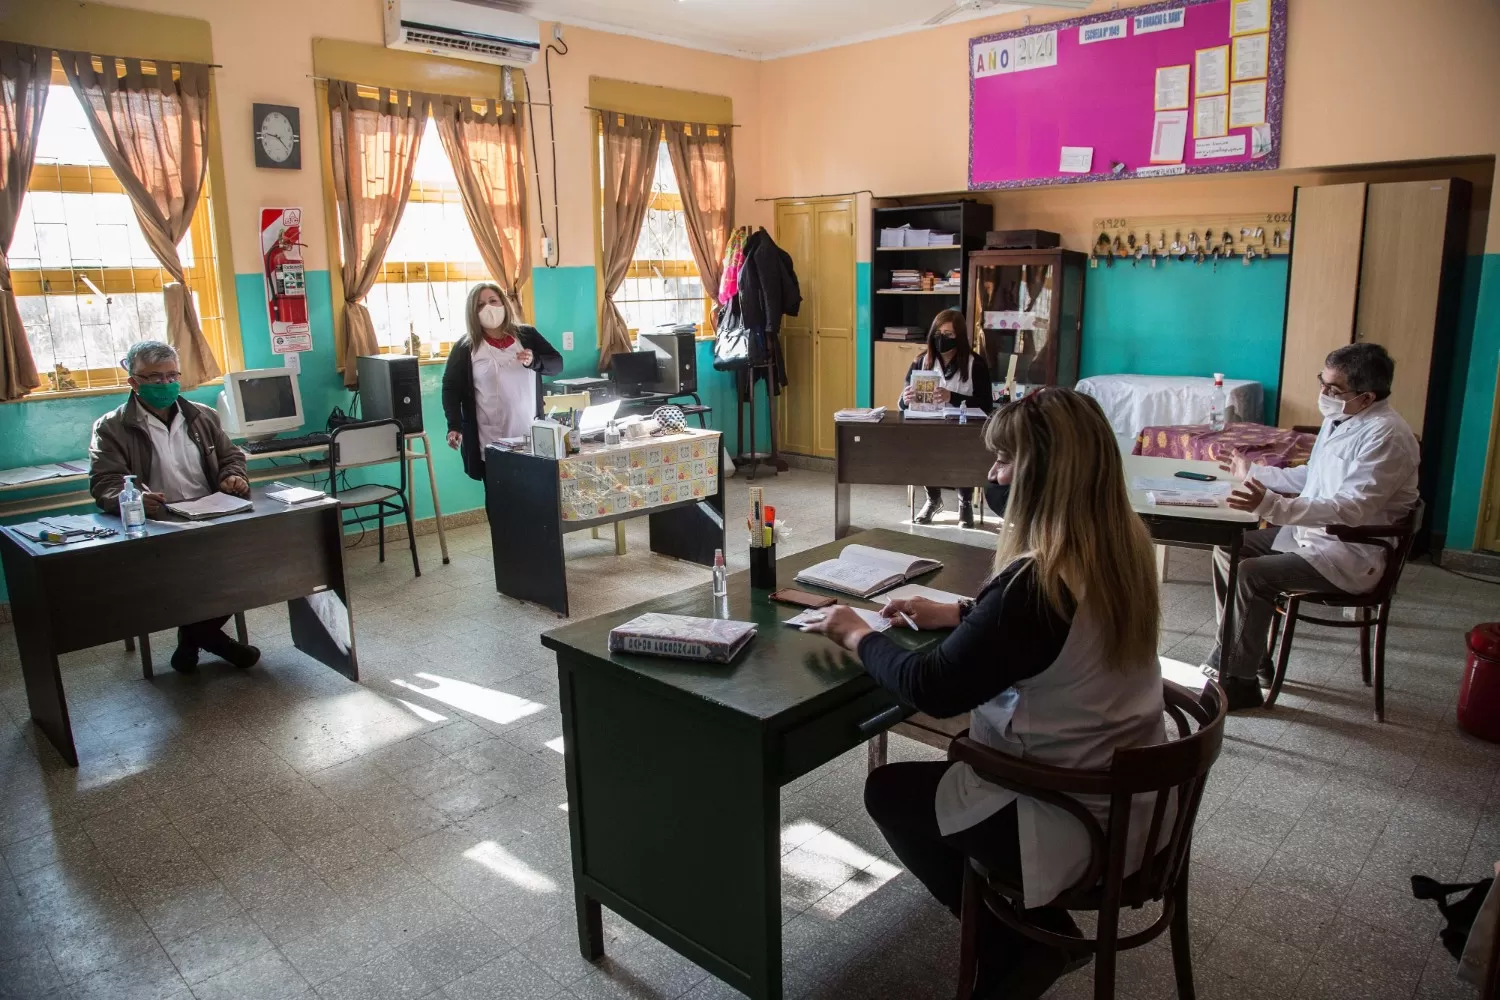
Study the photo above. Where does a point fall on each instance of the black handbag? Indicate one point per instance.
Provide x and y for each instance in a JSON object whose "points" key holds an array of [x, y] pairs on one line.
{"points": [[734, 342]]}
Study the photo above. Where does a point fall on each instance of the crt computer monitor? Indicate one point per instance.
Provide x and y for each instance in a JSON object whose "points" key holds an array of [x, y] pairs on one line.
{"points": [[260, 403], [632, 370]]}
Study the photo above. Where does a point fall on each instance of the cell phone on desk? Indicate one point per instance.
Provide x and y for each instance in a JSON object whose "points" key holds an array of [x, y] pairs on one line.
{"points": [[1197, 477], [801, 598]]}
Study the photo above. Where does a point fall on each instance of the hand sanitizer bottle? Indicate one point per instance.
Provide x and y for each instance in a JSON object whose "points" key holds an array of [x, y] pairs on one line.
{"points": [[1218, 404], [611, 435], [721, 574], [133, 509]]}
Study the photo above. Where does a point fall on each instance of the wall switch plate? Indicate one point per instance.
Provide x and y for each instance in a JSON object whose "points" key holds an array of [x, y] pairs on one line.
{"points": [[292, 360], [567, 340]]}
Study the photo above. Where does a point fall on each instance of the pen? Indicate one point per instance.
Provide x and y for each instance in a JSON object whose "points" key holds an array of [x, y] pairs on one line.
{"points": [[907, 618]]}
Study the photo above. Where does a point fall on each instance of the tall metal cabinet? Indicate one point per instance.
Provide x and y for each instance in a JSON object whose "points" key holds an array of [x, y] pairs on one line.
{"points": [[1380, 264], [1026, 313]]}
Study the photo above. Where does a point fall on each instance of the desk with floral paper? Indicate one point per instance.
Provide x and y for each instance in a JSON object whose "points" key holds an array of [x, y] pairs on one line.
{"points": [[674, 480], [1273, 446]]}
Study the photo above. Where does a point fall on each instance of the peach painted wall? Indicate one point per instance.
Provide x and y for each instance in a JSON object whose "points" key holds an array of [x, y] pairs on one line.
{"points": [[264, 48], [892, 114]]}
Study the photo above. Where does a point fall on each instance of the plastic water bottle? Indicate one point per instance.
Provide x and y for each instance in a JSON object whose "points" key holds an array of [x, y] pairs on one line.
{"points": [[133, 509], [721, 574], [1218, 404], [611, 435]]}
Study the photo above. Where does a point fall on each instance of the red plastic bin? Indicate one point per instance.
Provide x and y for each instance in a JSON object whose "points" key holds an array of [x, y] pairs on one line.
{"points": [[1479, 695]]}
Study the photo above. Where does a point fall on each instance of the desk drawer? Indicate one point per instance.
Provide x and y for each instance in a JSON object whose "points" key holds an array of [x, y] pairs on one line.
{"points": [[841, 728]]}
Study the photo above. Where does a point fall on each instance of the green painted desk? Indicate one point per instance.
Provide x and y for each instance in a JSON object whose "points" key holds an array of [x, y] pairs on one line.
{"points": [[674, 768]]}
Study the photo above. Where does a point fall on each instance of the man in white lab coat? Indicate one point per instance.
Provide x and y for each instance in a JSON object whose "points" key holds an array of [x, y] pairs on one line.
{"points": [[1362, 471]]}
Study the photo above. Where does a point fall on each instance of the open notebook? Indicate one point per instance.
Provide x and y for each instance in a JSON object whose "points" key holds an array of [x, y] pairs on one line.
{"points": [[861, 570]]}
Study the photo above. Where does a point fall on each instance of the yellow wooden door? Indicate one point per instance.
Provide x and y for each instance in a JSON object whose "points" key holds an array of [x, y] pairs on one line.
{"points": [[796, 405], [833, 319]]}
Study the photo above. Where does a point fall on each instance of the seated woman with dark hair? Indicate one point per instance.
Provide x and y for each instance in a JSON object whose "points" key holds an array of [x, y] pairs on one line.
{"points": [[966, 382]]}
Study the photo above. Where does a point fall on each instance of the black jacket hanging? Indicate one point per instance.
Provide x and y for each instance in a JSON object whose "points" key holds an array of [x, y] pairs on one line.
{"points": [[768, 290]]}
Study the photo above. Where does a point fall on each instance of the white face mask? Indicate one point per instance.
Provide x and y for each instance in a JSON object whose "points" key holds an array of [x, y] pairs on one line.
{"points": [[492, 316], [1329, 406]]}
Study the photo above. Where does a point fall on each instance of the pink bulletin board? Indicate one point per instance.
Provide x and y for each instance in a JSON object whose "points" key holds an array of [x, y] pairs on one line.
{"points": [[1091, 81]]}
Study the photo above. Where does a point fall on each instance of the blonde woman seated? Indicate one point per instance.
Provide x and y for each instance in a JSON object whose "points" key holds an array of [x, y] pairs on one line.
{"points": [[1056, 659]]}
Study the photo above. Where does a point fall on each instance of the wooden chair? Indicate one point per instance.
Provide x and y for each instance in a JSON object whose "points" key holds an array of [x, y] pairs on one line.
{"points": [[1396, 539], [144, 642], [1180, 766]]}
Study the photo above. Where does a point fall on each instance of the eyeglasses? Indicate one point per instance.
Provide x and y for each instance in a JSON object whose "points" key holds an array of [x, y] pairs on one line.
{"points": [[160, 378], [1333, 391]]}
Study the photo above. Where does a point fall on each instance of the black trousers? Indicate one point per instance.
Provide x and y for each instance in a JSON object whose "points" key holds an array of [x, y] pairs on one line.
{"points": [[207, 634], [900, 799], [965, 494]]}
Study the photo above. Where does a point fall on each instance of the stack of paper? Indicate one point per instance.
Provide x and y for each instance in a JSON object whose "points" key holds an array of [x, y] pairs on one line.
{"points": [[917, 237], [937, 239], [40, 473], [814, 615], [859, 415], [295, 494], [213, 505], [972, 412], [894, 237]]}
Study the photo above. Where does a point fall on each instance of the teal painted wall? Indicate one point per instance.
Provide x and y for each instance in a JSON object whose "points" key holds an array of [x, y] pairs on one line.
{"points": [[1476, 402], [864, 344], [1187, 319]]}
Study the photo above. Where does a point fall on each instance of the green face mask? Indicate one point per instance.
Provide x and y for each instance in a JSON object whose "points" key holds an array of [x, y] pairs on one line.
{"points": [[158, 395]]}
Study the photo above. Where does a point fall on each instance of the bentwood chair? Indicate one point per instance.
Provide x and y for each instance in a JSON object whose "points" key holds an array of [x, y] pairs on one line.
{"points": [[1396, 540], [373, 442], [1172, 772]]}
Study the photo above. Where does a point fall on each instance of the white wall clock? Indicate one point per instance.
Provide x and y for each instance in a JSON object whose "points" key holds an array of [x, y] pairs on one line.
{"points": [[278, 136]]}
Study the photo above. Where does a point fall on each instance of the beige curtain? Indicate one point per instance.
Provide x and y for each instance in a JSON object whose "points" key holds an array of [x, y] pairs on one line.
{"points": [[374, 150], [153, 128], [629, 167], [484, 145], [702, 156], [25, 73]]}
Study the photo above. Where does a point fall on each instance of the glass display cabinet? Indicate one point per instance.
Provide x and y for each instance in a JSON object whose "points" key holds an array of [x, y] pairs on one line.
{"points": [[1025, 312]]}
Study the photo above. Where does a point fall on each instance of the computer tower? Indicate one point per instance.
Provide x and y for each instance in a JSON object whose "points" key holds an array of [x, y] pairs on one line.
{"points": [[676, 359], [390, 387]]}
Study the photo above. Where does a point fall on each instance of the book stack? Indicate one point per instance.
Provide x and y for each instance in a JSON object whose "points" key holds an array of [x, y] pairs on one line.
{"points": [[903, 333], [937, 239], [906, 279], [859, 415]]}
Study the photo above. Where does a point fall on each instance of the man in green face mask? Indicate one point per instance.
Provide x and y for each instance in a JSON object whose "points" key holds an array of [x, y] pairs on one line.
{"points": [[177, 451]]}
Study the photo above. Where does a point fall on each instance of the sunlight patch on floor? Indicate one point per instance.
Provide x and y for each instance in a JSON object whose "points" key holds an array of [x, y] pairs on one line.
{"points": [[487, 703]]}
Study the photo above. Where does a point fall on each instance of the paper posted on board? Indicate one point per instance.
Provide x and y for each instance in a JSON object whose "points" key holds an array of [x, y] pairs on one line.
{"points": [[1210, 117], [1247, 104], [1247, 16], [1260, 141], [1076, 160], [1219, 147], [1211, 71], [1172, 87], [1251, 57], [1168, 136]]}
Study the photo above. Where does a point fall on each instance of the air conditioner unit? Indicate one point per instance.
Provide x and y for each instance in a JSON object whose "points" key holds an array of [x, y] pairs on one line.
{"points": [[489, 31]]}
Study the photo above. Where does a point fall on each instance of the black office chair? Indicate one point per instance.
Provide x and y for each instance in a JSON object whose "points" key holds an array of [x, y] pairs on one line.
{"points": [[373, 442]]}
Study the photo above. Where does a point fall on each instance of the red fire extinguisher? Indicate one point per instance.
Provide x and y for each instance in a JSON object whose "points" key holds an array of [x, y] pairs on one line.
{"points": [[287, 279]]}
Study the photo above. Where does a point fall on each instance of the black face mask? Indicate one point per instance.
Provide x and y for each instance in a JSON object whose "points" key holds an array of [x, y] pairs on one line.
{"points": [[996, 496], [944, 344]]}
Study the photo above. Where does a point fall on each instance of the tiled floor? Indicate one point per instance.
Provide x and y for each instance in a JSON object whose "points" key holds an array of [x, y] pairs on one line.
{"points": [[283, 833]]}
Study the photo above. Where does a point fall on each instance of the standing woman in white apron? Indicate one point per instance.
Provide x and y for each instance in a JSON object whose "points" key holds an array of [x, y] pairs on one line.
{"points": [[1056, 660], [966, 382], [492, 386]]}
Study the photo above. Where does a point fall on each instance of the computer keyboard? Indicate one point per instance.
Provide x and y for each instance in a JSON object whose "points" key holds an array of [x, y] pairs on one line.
{"points": [[284, 444]]}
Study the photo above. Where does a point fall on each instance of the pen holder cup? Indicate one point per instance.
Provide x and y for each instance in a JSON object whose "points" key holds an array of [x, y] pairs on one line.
{"points": [[763, 568]]}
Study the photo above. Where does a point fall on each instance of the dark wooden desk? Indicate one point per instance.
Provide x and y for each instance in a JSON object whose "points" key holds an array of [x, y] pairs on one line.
{"points": [[524, 497], [902, 452], [674, 768], [70, 597]]}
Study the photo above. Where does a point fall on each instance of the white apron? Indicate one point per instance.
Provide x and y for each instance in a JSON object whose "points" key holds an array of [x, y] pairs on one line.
{"points": [[1076, 713], [504, 393]]}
